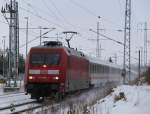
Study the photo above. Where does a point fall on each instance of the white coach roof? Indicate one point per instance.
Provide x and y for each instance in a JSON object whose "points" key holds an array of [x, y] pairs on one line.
{"points": [[98, 61]]}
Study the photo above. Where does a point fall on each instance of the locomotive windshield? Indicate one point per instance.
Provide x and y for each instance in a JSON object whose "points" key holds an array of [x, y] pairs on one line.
{"points": [[45, 58]]}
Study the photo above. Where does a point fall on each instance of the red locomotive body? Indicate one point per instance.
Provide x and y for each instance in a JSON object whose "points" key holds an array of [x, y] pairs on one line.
{"points": [[55, 70]]}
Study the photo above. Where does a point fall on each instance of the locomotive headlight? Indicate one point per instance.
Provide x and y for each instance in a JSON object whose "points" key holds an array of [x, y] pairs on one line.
{"points": [[44, 66], [56, 78], [30, 77]]}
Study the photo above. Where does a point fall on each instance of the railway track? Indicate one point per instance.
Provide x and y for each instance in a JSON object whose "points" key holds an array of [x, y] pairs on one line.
{"points": [[72, 102], [15, 105], [26, 107], [36, 107], [17, 108], [31, 106], [11, 102]]}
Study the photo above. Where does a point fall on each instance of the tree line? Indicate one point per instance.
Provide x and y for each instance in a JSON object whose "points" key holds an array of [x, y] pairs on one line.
{"points": [[4, 64]]}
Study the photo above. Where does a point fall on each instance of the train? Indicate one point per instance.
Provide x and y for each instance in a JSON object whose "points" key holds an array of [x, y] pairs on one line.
{"points": [[54, 70]]}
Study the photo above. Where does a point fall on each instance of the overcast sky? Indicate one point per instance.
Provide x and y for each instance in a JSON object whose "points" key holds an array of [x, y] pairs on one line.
{"points": [[80, 16]]}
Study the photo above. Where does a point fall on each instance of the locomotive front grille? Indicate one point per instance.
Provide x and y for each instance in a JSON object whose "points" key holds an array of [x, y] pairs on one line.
{"points": [[42, 87]]}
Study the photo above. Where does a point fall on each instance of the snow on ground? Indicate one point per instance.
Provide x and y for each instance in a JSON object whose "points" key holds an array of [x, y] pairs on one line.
{"points": [[20, 85], [136, 101], [1, 90]]}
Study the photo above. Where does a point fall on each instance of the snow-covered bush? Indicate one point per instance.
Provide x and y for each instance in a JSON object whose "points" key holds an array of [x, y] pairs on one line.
{"points": [[119, 97], [146, 76]]}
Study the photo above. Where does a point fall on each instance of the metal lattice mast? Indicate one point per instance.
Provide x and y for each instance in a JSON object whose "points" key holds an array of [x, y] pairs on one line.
{"points": [[127, 42], [98, 53], [145, 44], [10, 12]]}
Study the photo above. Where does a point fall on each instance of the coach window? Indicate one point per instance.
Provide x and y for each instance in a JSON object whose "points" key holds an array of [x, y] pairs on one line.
{"points": [[91, 68], [105, 69], [114, 70], [102, 69], [99, 68], [94, 68]]}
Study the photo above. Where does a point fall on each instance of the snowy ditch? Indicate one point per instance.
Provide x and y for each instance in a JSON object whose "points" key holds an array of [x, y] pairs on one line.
{"points": [[77, 104], [135, 100]]}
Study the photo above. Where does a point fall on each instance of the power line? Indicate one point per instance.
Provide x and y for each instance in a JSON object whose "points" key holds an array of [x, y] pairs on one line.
{"points": [[40, 17], [43, 1], [29, 5], [66, 21], [83, 8], [107, 37], [31, 33], [34, 8], [35, 39], [56, 17], [75, 26], [60, 14], [58, 11], [90, 12]]}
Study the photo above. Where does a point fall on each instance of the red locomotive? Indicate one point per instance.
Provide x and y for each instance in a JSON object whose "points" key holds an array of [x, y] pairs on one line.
{"points": [[54, 70]]}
